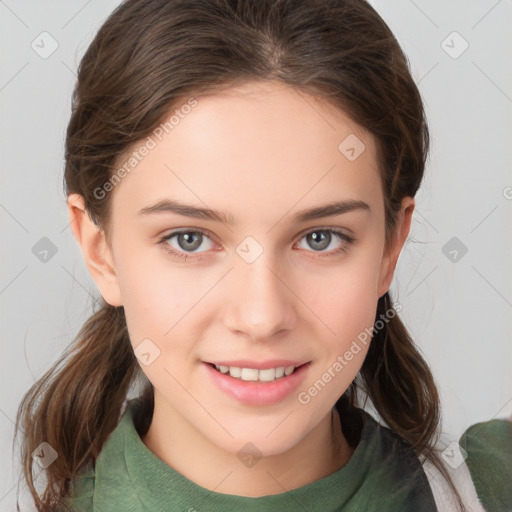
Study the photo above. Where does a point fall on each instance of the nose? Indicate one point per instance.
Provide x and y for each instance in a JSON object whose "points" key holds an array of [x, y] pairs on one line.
{"points": [[261, 303]]}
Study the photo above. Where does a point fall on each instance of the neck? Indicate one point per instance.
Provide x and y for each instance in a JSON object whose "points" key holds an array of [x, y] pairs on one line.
{"points": [[186, 450]]}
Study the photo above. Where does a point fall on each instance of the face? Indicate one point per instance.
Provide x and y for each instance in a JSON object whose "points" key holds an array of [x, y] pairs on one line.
{"points": [[263, 283]]}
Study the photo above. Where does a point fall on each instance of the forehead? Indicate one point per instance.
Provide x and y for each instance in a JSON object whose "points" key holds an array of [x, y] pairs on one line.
{"points": [[254, 146]]}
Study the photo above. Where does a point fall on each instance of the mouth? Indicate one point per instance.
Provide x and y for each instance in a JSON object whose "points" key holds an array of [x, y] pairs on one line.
{"points": [[257, 386], [257, 375]]}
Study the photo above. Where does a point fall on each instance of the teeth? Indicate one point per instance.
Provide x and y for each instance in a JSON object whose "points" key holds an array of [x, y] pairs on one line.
{"points": [[248, 374]]}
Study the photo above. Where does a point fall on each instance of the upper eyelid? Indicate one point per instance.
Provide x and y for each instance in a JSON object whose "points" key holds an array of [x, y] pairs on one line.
{"points": [[188, 230], [339, 229]]}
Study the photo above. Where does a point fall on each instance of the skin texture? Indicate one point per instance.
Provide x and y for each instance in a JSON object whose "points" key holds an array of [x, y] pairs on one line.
{"points": [[260, 152]]}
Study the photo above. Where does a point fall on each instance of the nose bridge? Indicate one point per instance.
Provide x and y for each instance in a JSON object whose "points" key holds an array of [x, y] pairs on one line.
{"points": [[262, 305]]}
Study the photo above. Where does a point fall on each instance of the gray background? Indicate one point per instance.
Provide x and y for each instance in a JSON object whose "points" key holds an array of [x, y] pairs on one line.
{"points": [[458, 310]]}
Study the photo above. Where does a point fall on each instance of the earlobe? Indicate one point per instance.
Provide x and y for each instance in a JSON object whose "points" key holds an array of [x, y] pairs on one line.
{"points": [[95, 250], [391, 254]]}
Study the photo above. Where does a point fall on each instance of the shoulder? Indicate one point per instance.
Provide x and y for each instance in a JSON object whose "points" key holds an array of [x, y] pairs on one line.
{"points": [[488, 451], [394, 476], [81, 493], [84, 486], [443, 493], [394, 452]]}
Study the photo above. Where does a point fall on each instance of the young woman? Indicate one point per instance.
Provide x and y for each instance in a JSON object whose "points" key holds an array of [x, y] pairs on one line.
{"points": [[240, 177]]}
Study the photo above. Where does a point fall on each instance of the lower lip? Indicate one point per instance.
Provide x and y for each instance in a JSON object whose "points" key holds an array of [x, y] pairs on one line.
{"points": [[258, 393]]}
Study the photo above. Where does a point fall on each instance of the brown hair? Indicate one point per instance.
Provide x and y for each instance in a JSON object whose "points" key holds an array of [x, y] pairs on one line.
{"points": [[146, 58]]}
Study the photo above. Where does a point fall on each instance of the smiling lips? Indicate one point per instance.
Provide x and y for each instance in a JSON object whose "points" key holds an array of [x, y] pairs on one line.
{"points": [[258, 386]]}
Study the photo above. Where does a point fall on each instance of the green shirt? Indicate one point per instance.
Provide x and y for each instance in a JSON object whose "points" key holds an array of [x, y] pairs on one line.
{"points": [[382, 475], [489, 459]]}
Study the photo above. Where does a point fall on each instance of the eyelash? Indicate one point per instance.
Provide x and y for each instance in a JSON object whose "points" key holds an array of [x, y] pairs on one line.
{"points": [[183, 256]]}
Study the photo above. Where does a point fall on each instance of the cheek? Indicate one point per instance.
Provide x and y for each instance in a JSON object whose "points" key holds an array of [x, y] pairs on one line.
{"points": [[161, 302], [149, 295], [345, 299], [157, 322], [350, 317], [346, 304], [346, 309]]}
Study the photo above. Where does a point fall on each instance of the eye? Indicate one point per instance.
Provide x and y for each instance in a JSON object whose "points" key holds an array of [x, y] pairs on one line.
{"points": [[189, 241], [321, 238]]}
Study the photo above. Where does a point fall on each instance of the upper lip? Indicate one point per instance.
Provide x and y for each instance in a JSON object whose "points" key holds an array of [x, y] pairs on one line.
{"points": [[259, 365]]}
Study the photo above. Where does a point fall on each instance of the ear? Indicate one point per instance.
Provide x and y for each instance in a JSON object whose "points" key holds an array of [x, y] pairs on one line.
{"points": [[391, 253], [97, 254]]}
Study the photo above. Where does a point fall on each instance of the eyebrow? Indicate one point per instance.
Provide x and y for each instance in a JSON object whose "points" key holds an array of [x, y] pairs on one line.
{"points": [[319, 212]]}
